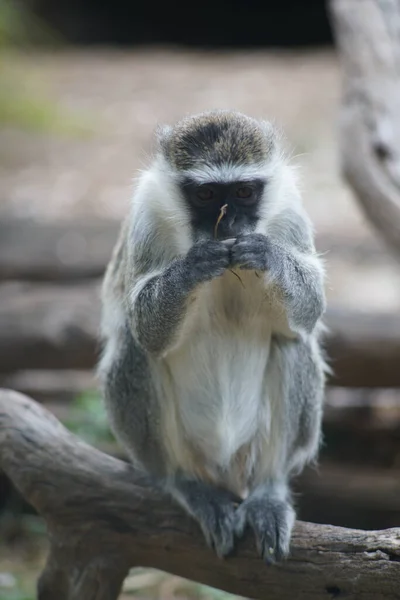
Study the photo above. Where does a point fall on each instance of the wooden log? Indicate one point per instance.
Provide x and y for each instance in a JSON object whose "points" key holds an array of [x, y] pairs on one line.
{"points": [[50, 385], [56, 327], [68, 251], [48, 327], [361, 427], [56, 251], [364, 348], [103, 518], [368, 42], [357, 496]]}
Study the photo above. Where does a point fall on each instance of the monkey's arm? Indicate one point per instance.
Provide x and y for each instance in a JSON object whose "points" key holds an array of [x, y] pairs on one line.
{"points": [[158, 303], [297, 273]]}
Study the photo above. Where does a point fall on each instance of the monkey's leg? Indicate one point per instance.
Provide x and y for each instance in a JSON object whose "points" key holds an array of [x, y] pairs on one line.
{"points": [[132, 403], [295, 385], [135, 416], [270, 514], [213, 508]]}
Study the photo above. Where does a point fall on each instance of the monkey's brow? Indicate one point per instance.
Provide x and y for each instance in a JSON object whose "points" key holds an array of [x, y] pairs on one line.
{"points": [[188, 181], [255, 181]]}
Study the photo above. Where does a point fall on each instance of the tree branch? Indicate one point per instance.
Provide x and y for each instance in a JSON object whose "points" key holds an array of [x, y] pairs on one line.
{"points": [[104, 518]]}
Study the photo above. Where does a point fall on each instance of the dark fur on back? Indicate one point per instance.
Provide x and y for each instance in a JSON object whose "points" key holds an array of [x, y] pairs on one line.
{"points": [[215, 138]]}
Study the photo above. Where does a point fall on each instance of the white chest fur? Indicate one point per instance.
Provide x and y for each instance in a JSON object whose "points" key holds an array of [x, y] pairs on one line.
{"points": [[216, 379]]}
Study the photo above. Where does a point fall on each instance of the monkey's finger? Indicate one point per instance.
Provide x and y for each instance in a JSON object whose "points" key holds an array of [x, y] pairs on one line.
{"points": [[248, 248], [251, 240], [229, 243], [266, 541], [244, 263], [252, 264], [220, 266], [240, 247], [262, 521], [240, 521]]}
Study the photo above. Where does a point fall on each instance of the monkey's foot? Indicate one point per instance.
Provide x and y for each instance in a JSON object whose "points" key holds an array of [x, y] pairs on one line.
{"points": [[272, 522], [214, 510]]}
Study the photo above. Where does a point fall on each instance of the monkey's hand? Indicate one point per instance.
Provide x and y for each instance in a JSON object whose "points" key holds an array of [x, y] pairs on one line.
{"points": [[251, 251], [298, 275], [160, 304], [205, 261]]}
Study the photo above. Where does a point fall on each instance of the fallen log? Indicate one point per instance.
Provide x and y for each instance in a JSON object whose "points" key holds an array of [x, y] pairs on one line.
{"points": [[68, 251], [57, 251], [363, 348], [351, 495], [47, 386], [48, 327], [56, 327], [103, 518]]}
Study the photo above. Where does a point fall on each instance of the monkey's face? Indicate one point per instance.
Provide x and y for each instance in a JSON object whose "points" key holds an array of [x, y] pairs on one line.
{"points": [[237, 203]]}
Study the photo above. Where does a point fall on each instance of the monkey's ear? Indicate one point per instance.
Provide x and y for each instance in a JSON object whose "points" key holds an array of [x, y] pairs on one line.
{"points": [[162, 136]]}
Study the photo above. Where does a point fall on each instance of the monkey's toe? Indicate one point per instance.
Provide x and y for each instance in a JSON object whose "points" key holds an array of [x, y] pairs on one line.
{"points": [[271, 522], [214, 509], [218, 524]]}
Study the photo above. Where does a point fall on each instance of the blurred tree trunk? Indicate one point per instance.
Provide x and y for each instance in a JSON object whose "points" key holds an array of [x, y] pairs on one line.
{"points": [[367, 34]]}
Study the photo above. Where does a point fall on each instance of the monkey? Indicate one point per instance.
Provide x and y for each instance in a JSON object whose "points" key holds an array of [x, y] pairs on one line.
{"points": [[212, 365]]}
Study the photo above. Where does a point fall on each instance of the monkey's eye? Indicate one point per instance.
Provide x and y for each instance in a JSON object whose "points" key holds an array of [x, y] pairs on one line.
{"points": [[204, 194], [244, 192]]}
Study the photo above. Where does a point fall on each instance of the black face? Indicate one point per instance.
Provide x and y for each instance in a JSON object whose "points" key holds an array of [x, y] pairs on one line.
{"points": [[242, 200]]}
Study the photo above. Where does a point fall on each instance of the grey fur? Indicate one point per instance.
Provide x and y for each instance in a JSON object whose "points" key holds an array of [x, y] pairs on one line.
{"points": [[214, 138], [161, 304], [140, 330], [268, 510], [269, 513], [131, 403], [301, 284], [297, 231], [305, 382], [214, 508]]}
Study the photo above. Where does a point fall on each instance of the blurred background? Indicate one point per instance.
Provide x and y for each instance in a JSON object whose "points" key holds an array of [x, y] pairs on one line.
{"points": [[83, 83]]}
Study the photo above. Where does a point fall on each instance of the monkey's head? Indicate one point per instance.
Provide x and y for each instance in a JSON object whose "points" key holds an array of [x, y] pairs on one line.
{"points": [[221, 159]]}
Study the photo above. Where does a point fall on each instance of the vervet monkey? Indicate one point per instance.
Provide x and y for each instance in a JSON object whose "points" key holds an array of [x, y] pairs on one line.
{"points": [[212, 369]]}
